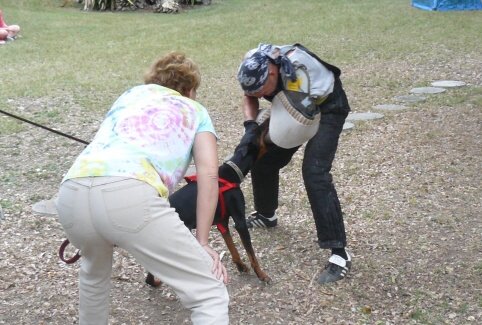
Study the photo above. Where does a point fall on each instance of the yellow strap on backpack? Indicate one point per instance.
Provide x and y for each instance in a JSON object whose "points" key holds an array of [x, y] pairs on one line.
{"points": [[294, 85]]}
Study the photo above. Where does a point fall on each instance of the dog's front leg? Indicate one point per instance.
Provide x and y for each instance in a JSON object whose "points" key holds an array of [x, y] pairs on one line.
{"points": [[223, 227], [248, 246]]}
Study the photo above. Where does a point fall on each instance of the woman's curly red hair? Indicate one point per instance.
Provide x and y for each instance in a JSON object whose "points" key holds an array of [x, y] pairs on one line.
{"points": [[175, 71]]}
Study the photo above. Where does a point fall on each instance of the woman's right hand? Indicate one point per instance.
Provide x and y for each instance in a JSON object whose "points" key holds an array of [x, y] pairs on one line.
{"points": [[218, 268]]}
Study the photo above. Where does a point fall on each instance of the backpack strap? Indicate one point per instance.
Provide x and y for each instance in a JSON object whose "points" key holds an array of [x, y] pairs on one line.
{"points": [[336, 71]]}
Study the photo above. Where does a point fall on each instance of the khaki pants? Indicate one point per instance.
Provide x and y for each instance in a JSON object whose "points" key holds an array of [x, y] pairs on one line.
{"points": [[98, 213]]}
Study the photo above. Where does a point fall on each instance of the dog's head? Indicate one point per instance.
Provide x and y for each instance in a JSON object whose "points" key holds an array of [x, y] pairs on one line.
{"points": [[254, 141], [252, 146]]}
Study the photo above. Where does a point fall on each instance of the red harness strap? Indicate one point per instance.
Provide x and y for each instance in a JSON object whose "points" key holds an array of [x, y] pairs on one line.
{"points": [[225, 187]]}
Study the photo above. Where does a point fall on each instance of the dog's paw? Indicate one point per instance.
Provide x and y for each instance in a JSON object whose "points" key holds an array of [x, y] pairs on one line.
{"points": [[265, 278]]}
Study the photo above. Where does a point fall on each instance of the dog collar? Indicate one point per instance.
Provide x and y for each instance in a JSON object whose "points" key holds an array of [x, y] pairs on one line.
{"points": [[236, 169]]}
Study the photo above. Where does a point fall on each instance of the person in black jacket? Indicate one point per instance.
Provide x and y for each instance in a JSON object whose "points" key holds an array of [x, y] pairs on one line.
{"points": [[276, 72]]}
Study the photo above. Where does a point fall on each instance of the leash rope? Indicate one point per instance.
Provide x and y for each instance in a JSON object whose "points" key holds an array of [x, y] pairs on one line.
{"points": [[44, 127], [61, 253], [226, 185], [66, 242]]}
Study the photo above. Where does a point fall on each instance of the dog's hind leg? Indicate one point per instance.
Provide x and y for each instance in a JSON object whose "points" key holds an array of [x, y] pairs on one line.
{"points": [[228, 239]]}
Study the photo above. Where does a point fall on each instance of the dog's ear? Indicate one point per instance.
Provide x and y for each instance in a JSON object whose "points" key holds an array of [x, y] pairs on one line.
{"points": [[249, 136], [244, 146], [244, 150]]}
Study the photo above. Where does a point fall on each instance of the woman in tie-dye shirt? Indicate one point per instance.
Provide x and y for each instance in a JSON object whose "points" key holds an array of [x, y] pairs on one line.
{"points": [[115, 194]]}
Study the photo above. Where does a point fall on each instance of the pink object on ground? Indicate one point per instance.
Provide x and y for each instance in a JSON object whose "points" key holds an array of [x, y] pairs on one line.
{"points": [[2, 23], [7, 31]]}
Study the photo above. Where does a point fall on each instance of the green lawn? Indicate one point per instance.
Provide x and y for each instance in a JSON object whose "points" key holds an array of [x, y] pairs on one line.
{"points": [[97, 55]]}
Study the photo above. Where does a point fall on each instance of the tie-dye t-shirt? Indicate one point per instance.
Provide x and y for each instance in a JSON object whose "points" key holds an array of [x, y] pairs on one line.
{"points": [[148, 135]]}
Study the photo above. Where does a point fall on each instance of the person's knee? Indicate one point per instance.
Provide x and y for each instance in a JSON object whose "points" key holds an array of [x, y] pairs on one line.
{"points": [[316, 174], [210, 306], [3, 34], [275, 158]]}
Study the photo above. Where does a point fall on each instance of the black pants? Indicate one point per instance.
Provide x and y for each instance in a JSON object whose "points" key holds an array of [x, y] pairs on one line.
{"points": [[318, 159]]}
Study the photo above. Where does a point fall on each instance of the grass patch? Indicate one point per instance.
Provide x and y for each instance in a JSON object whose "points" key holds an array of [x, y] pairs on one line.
{"points": [[8, 127], [85, 52]]}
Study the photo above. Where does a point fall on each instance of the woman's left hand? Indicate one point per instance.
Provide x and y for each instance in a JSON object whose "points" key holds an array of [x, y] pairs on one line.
{"points": [[218, 268]]}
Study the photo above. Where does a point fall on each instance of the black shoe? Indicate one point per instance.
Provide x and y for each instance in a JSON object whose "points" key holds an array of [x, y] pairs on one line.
{"points": [[336, 269], [257, 220]]}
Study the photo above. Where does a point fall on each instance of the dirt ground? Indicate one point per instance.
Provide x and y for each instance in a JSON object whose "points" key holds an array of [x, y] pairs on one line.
{"points": [[410, 187]]}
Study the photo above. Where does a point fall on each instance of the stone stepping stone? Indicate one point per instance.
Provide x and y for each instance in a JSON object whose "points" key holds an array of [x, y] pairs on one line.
{"points": [[390, 107], [363, 116], [45, 208], [347, 126], [448, 83], [428, 90], [410, 98]]}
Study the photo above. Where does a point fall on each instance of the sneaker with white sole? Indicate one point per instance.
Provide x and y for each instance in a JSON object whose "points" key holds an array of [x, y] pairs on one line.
{"points": [[336, 269], [257, 220]]}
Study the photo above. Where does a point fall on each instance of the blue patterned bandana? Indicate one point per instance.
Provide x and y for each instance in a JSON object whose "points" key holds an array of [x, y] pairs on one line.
{"points": [[253, 72]]}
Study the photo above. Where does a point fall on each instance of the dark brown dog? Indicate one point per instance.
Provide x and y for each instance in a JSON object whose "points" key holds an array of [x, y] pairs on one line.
{"points": [[231, 201]]}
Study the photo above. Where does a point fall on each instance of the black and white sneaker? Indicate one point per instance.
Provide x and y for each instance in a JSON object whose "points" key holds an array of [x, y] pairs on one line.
{"points": [[336, 269], [257, 220]]}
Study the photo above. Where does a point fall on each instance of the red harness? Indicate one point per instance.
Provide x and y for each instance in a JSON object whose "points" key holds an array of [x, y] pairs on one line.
{"points": [[226, 186]]}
